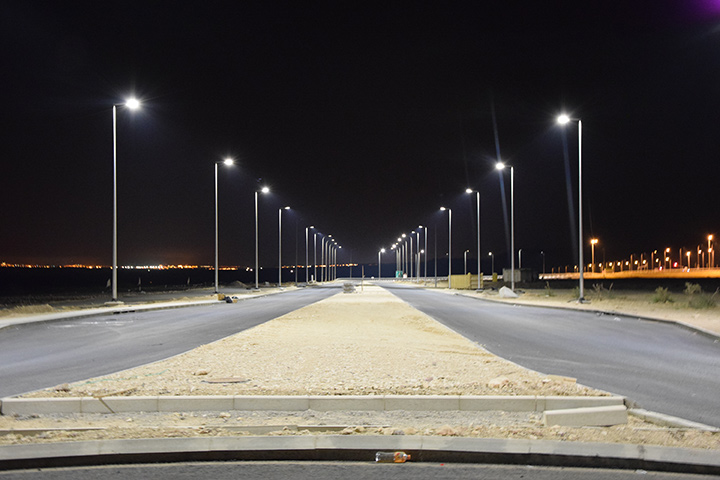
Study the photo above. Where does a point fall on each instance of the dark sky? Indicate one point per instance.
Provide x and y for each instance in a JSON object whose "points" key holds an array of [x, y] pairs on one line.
{"points": [[364, 117]]}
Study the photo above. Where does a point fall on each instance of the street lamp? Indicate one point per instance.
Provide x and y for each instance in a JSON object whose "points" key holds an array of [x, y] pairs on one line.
{"points": [[132, 104], [492, 262], [477, 195], [307, 257], [257, 260], [227, 161], [449, 210], [501, 166], [465, 262], [688, 255], [382, 250], [425, 250], [564, 120], [280, 245], [711, 254], [593, 242]]}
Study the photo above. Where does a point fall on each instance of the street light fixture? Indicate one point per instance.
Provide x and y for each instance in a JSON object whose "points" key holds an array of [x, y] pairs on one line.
{"points": [[280, 245], [501, 166], [382, 250], [227, 161], [593, 242], [132, 104], [492, 262], [257, 259], [449, 210], [564, 120], [477, 194], [307, 257]]}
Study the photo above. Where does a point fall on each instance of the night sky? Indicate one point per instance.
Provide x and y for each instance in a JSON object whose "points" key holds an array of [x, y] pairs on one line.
{"points": [[363, 117]]}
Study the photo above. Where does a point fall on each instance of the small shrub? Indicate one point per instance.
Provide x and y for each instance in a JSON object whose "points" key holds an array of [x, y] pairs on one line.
{"points": [[576, 292], [703, 300], [661, 296], [548, 291], [698, 299], [600, 291], [692, 288]]}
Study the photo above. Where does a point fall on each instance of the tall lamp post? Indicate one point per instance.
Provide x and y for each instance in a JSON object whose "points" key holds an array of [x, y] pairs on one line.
{"points": [[500, 166], [132, 104], [492, 262], [477, 195], [280, 245], [257, 258], [382, 250], [449, 210], [711, 253], [227, 161], [563, 120], [307, 256], [593, 242]]}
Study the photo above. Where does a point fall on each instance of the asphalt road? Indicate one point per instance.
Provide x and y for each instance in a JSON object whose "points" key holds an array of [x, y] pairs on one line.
{"points": [[335, 470], [41, 355], [662, 367]]}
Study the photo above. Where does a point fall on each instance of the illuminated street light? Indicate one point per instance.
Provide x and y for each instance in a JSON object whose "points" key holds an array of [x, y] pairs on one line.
{"points": [[563, 120], [501, 166], [593, 242], [280, 245], [449, 210], [227, 161], [711, 254], [257, 259], [382, 250], [307, 257], [492, 262], [132, 104], [477, 195]]}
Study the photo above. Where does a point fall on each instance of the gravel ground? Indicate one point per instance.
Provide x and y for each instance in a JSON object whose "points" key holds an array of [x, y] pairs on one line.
{"points": [[363, 343]]}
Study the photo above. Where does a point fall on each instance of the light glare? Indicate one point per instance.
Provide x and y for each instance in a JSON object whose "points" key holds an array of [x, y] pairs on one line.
{"points": [[132, 103], [563, 119]]}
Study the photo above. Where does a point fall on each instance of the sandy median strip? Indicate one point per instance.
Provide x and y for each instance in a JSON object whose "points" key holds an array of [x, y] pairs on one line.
{"points": [[361, 343]]}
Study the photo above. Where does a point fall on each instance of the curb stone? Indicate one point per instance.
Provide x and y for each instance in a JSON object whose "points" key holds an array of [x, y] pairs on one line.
{"points": [[532, 403], [361, 448], [708, 333]]}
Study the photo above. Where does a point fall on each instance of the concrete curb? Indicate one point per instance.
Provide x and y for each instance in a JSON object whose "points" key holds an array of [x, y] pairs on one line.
{"points": [[361, 448], [687, 326], [670, 421], [118, 309], [525, 403]]}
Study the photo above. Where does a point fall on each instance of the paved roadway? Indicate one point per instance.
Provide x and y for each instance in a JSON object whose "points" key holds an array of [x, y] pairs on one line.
{"points": [[41, 355], [662, 367], [335, 470]]}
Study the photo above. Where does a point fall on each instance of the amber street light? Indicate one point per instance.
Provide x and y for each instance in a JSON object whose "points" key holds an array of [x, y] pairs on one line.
{"points": [[593, 242]]}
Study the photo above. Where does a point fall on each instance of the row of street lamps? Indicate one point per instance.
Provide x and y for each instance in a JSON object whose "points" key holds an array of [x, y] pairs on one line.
{"points": [[329, 250], [133, 104], [562, 120]]}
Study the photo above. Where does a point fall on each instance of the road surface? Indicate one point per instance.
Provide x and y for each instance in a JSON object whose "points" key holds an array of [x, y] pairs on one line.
{"points": [[662, 367], [41, 355]]}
